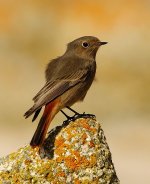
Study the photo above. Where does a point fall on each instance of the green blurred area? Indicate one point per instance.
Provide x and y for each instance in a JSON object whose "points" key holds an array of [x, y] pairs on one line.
{"points": [[34, 32]]}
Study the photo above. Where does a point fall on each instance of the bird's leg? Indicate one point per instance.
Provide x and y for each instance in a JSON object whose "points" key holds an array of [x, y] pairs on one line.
{"points": [[68, 117], [76, 113]]}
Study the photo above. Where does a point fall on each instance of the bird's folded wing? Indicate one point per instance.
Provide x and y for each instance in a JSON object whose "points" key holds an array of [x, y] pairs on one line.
{"points": [[55, 88]]}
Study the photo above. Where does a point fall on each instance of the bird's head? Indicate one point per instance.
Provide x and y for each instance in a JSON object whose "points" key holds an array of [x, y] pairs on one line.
{"points": [[85, 47]]}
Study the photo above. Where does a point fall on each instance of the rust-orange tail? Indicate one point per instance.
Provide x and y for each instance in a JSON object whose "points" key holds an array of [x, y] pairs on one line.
{"points": [[50, 111]]}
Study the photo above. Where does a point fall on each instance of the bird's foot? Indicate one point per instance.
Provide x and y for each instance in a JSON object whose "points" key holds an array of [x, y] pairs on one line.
{"points": [[75, 112], [76, 116], [84, 115], [69, 118]]}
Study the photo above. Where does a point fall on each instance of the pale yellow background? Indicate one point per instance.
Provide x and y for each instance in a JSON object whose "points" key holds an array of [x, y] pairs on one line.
{"points": [[33, 32]]}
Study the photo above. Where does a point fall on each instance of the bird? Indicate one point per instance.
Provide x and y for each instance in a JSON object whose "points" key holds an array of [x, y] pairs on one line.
{"points": [[68, 79]]}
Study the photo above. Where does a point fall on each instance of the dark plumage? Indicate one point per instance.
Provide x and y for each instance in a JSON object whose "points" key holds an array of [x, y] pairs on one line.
{"points": [[68, 79]]}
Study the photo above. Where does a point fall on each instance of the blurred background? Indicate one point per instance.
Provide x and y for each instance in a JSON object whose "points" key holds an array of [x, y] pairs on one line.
{"points": [[34, 32]]}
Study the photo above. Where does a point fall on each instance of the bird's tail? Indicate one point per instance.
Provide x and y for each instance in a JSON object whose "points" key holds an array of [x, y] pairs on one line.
{"points": [[50, 111]]}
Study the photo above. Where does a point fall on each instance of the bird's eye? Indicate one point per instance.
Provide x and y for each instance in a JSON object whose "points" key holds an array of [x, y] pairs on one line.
{"points": [[85, 44]]}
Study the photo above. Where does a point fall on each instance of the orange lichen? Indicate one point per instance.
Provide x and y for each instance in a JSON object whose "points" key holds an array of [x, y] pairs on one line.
{"points": [[27, 162], [76, 153], [69, 133], [62, 149], [74, 142], [75, 150], [59, 159], [60, 140], [85, 125], [59, 151], [61, 174], [83, 162], [69, 137], [75, 163], [93, 130], [77, 181], [71, 162], [83, 137], [93, 160], [92, 144], [67, 146]]}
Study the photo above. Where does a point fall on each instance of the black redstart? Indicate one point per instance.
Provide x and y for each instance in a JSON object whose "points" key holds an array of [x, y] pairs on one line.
{"points": [[68, 79]]}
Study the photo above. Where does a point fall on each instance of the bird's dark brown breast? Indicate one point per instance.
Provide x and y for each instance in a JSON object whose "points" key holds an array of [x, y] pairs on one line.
{"points": [[88, 80], [91, 72], [79, 91]]}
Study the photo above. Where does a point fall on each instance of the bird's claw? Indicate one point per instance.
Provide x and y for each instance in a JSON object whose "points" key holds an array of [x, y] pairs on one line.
{"points": [[77, 116], [84, 115]]}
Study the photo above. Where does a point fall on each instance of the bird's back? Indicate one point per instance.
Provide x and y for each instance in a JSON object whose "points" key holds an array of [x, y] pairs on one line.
{"points": [[65, 66]]}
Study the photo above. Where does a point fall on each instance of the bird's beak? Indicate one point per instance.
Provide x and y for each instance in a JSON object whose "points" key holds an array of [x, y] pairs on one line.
{"points": [[99, 43], [103, 43]]}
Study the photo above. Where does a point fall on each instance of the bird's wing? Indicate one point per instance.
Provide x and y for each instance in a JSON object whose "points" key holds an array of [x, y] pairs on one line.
{"points": [[57, 87]]}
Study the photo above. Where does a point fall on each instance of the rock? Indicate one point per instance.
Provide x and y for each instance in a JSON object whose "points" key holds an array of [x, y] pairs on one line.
{"points": [[76, 152]]}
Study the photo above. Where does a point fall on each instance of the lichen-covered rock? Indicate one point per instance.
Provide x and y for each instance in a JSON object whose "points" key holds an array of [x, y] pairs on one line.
{"points": [[75, 153]]}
